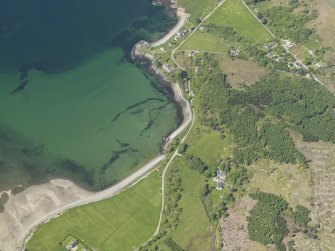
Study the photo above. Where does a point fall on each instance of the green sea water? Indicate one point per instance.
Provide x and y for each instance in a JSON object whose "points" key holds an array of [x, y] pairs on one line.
{"points": [[71, 104]]}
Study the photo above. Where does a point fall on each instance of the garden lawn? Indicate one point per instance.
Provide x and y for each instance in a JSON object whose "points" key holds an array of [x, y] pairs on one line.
{"points": [[120, 223]]}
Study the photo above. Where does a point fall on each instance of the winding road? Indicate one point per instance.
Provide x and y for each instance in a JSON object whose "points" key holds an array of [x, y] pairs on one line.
{"points": [[175, 154]]}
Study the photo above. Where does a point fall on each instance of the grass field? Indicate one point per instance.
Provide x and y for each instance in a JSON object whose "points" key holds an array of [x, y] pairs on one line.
{"points": [[120, 223], [204, 41], [197, 8], [233, 14], [326, 21], [240, 73], [289, 181], [209, 146], [71, 239], [193, 232]]}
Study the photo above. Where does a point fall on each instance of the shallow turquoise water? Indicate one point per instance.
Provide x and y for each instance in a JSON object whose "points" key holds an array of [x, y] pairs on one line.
{"points": [[71, 105]]}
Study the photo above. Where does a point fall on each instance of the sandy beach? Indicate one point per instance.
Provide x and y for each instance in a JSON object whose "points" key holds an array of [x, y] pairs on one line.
{"points": [[27, 207]]}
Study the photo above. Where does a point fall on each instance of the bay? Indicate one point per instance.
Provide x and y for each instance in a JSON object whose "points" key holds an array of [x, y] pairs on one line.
{"points": [[71, 103]]}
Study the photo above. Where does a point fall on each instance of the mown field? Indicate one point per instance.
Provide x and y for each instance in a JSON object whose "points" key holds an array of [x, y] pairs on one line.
{"points": [[204, 41], [209, 145], [120, 223], [232, 14], [193, 230], [197, 8]]}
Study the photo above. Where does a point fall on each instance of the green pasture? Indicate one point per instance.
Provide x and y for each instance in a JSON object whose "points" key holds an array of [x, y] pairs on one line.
{"points": [[193, 230], [233, 14], [120, 223], [197, 8], [204, 41], [210, 146]]}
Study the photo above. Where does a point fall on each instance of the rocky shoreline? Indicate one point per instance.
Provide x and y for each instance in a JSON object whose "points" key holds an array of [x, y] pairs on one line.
{"points": [[180, 102], [137, 54]]}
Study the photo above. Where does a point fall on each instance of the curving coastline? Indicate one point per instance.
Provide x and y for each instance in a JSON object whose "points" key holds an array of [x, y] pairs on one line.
{"points": [[185, 110], [182, 19]]}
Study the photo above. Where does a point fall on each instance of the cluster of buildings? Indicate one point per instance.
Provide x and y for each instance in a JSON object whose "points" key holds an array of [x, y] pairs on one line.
{"points": [[183, 33], [180, 34], [274, 55], [193, 54], [168, 68], [288, 44]]}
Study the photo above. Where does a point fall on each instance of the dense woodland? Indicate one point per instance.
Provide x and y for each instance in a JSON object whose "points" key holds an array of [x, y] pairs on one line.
{"points": [[301, 216], [261, 119], [285, 23], [266, 223], [261, 116]]}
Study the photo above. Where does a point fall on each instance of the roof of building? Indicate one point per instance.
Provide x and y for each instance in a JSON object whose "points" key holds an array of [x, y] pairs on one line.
{"points": [[220, 185], [74, 243]]}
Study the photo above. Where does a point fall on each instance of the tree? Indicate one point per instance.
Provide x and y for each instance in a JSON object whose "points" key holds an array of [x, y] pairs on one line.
{"points": [[183, 148]]}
